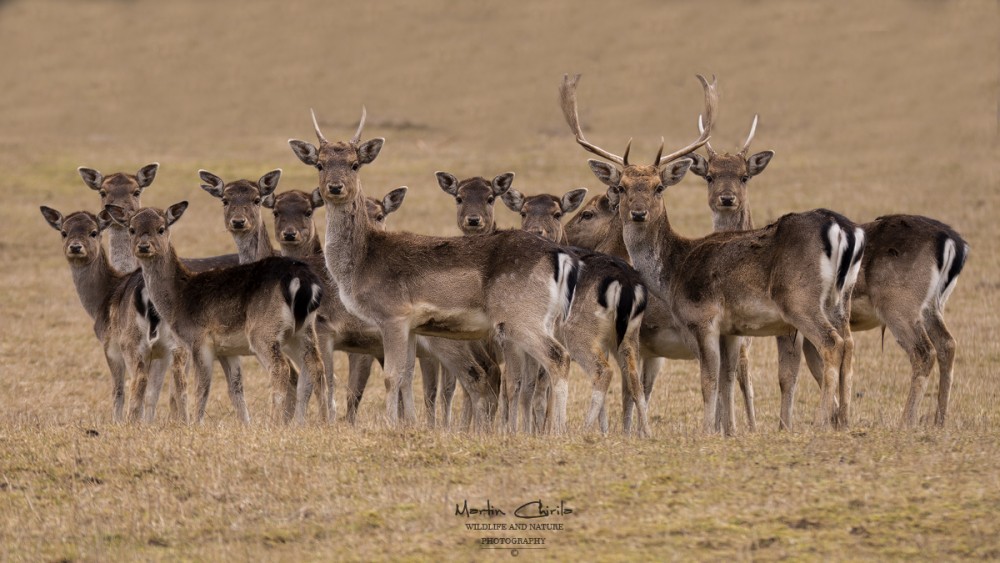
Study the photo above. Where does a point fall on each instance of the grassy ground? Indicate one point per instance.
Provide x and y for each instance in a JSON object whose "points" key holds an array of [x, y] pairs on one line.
{"points": [[871, 109]]}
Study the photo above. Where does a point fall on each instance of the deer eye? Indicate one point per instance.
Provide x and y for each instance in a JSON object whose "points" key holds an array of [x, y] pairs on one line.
{"points": [[93, 234], [587, 215], [524, 214], [131, 230], [659, 188], [745, 179], [136, 193], [225, 202], [103, 193], [490, 200], [458, 200], [557, 214], [256, 201], [319, 166], [64, 235], [161, 230], [709, 179], [355, 166], [615, 189], [309, 213], [380, 218]]}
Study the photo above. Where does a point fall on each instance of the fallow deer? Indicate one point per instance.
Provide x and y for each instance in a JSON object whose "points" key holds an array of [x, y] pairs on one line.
{"points": [[297, 235], [267, 308], [793, 275], [605, 326], [510, 285], [909, 268]]}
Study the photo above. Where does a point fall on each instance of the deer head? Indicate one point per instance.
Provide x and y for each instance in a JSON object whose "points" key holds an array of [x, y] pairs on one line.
{"points": [[338, 162], [727, 174], [635, 189], [81, 232], [542, 214], [148, 228], [474, 198], [123, 190], [241, 200]]}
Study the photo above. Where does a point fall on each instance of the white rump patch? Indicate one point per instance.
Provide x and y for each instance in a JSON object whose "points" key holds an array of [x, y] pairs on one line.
{"points": [[828, 264]]}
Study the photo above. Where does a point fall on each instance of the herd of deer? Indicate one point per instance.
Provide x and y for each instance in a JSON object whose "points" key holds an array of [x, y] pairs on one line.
{"points": [[614, 284]]}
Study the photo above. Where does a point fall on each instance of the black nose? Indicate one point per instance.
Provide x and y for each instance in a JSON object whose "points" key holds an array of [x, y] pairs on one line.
{"points": [[76, 248], [143, 247], [288, 235], [335, 189], [638, 215], [473, 221], [239, 223], [728, 200]]}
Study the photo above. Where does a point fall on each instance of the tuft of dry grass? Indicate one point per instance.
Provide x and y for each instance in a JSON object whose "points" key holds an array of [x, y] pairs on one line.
{"points": [[871, 109]]}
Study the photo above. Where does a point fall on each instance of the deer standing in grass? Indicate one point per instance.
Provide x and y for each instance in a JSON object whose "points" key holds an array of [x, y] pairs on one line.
{"points": [[511, 285], [793, 275], [341, 330], [605, 326], [266, 308], [909, 268]]}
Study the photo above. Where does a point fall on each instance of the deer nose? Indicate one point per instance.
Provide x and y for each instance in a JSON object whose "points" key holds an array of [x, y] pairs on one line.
{"points": [[143, 247], [289, 235], [728, 201], [238, 223], [335, 189], [639, 216], [539, 232], [474, 221], [76, 248]]}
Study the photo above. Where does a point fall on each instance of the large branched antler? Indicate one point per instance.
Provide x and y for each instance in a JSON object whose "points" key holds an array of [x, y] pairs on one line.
{"points": [[705, 128], [567, 98]]}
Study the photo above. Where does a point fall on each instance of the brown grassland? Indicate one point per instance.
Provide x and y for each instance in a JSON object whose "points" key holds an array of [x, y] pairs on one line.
{"points": [[872, 108]]}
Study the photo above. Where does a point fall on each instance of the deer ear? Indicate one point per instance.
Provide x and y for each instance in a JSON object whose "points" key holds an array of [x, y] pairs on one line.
{"points": [[758, 162], [699, 164], [269, 182], [447, 182], [316, 198], [571, 200], [117, 214], [513, 199], [213, 184], [175, 211], [53, 217], [147, 174], [91, 177], [306, 152], [614, 197], [104, 220], [393, 199], [502, 183], [368, 150], [268, 201], [608, 174], [673, 172]]}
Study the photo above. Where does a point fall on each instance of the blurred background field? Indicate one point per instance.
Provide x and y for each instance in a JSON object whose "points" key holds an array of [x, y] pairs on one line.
{"points": [[871, 108]]}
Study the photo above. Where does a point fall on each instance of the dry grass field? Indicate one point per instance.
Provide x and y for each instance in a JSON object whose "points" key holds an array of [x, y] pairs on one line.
{"points": [[872, 108]]}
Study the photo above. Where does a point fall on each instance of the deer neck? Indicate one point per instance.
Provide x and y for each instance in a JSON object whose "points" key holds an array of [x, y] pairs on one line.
{"points": [[165, 279], [121, 250], [738, 221], [656, 251], [347, 237], [94, 282], [255, 245]]}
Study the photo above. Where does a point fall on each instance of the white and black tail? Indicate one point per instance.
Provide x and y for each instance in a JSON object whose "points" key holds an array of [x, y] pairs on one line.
{"points": [[625, 301], [843, 247], [952, 251], [566, 274], [302, 294], [147, 312]]}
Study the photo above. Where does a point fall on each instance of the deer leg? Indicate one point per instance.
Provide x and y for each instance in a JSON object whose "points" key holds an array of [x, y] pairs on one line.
{"points": [[400, 352], [913, 338], [429, 369], [178, 367], [729, 357], [202, 358], [541, 403], [307, 354], [597, 365], [830, 347], [117, 366], [326, 349], [944, 345], [140, 380], [709, 360], [746, 383], [531, 387], [359, 371], [157, 374], [629, 362], [512, 376], [789, 360], [233, 373], [448, 384], [554, 359], [843, 410]]}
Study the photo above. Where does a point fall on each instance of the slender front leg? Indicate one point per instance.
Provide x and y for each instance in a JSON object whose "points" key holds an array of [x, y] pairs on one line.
{"points": [[202, 358], [629, 362], [729, 356], [789, 360], [746, 383], [157, 374], [234, 385], [429, 370], [400, 353], [358, 373], [179, 358], [140, 379], [708, 358], [117, 366]]}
